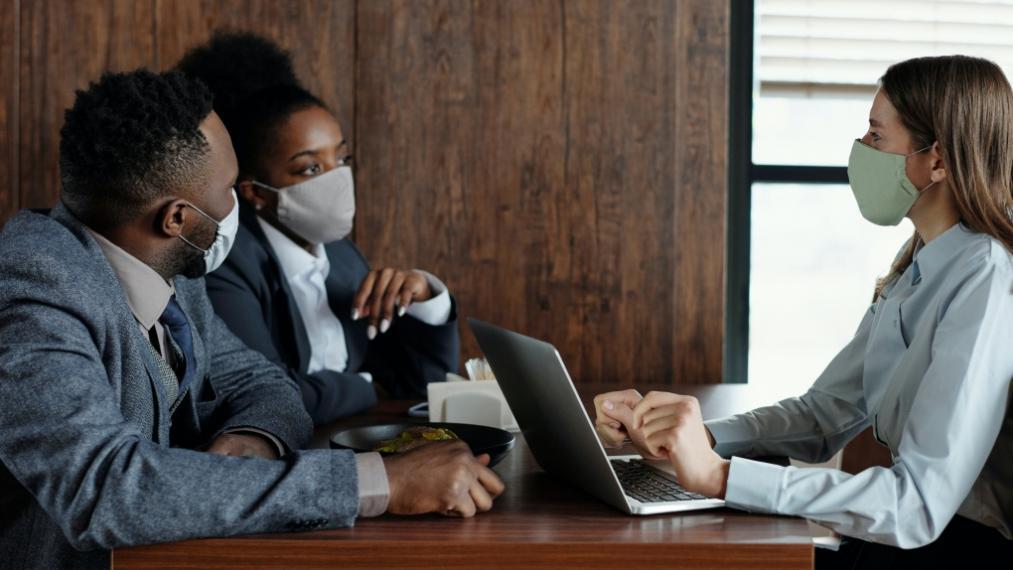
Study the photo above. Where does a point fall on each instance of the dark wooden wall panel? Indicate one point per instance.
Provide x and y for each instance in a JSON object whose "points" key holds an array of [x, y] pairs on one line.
{"points": [[462, 146], [64, 46], [560, 163], [701, 140], [9, 34], [561, 166], [320, 34], [620, 188]]}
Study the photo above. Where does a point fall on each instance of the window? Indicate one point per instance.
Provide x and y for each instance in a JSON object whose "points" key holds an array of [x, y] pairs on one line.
{"points": [[802, 260]]}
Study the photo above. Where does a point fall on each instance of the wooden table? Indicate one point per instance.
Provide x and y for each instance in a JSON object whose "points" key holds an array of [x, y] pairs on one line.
{"points": [[537, 523]]}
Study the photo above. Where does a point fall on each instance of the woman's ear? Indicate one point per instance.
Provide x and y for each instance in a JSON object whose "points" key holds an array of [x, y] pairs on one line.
{"points": [[172, 217], [938, 173], [251, 194]]}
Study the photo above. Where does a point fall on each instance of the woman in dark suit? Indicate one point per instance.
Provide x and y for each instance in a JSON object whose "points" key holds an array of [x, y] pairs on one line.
{"points": [[294, 286]]}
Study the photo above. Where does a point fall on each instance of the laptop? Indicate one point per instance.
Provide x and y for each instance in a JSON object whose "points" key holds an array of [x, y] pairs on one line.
{"points": [[562, 437]]}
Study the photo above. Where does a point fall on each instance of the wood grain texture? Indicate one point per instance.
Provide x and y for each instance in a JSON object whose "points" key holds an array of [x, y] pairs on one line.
{"points": [[560, 166], [64, 47], [325, 553], [538, 522], [320, 35], [9, 120], [701, 113]]}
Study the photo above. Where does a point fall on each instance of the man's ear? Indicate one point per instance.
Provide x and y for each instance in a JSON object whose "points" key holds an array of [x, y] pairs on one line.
{"points": [[172, 217], [938, 173]]}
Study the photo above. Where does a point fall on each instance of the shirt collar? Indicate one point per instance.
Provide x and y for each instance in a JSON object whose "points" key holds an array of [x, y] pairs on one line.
{"points": [[146, 291], [295, 261], [933, 257]]}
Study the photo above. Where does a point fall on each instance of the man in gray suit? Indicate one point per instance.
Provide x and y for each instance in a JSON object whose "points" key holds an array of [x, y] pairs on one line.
{"points": [[114, 370]]}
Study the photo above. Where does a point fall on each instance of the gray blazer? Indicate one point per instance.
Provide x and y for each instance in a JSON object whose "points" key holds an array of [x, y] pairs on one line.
{"points": [[90, 456]]}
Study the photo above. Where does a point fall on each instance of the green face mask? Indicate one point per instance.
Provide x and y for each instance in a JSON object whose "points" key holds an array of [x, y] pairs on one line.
{"points": [[880, 184]]}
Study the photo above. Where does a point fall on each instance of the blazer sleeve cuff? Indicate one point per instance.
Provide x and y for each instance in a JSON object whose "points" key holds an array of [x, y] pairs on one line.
{"points": [[437, 310]]}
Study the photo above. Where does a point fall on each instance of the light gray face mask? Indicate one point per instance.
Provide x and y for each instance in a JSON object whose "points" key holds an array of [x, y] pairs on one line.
{"points": [[321, 209]]}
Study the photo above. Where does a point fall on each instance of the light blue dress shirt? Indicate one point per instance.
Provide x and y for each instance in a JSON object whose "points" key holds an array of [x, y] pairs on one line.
{"points": [[930, 369]]}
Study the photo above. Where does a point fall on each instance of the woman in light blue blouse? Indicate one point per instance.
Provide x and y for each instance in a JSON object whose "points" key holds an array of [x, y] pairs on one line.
{"points": [[929, 367]]}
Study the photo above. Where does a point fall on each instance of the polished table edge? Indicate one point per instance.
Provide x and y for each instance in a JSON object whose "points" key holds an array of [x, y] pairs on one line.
{"points": [[792, 550], [282, 553]]}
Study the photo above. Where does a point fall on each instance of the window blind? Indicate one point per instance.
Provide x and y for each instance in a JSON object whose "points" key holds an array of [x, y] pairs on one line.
{"points": [[848, 44]]}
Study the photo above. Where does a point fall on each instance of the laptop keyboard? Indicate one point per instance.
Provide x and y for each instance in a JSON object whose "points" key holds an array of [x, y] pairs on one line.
{"points": [[649, 485]]}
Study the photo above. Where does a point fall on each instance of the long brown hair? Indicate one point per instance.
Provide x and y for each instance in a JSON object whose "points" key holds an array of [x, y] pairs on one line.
{"points": [[966, 104]]}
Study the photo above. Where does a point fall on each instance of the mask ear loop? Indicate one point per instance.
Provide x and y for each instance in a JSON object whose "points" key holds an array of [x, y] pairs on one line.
{"points": [[206, 215], [265, 186], [931, 182], [919, 150], [259, 207]]}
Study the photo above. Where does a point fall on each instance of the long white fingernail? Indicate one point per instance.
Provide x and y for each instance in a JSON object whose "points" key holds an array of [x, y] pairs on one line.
{"points": [[355, 314], [371, 332], [607, 404], [384, 326], [401, 311]]}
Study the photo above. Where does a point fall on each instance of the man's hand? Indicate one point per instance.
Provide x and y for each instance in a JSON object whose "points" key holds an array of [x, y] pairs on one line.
{"points": [[614, 420], [384, 289], [672, 425], [442, 477], [243, 445]]}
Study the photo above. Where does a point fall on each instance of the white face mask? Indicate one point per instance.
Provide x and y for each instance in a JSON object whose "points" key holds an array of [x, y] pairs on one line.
{"points": [[225, 236], [321, 209]]}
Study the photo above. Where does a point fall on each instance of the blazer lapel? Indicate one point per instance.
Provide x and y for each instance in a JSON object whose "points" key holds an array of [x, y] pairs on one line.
{"points": [[147, 356], [145, 400], [302, 342], [342, 284]]}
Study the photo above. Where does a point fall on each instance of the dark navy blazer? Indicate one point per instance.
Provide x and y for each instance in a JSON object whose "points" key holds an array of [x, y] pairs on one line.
{"points": [[251, 294]]}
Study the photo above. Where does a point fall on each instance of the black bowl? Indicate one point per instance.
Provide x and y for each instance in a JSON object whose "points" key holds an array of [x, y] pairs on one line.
{"points": [[481, 439]]}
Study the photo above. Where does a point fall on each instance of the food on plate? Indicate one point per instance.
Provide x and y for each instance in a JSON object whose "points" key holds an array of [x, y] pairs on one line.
{"points": [[414, 437]]}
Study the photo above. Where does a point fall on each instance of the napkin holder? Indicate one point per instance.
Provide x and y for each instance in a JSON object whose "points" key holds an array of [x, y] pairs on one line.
{"points": [[459, 400]]}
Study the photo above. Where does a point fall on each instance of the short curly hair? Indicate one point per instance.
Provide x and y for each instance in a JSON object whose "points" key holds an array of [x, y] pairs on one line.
{"points": [[130, 138]]}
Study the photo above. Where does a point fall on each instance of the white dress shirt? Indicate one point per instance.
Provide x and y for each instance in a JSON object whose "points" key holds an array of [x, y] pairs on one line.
{"points": [[930, 369], [306, 273]]}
